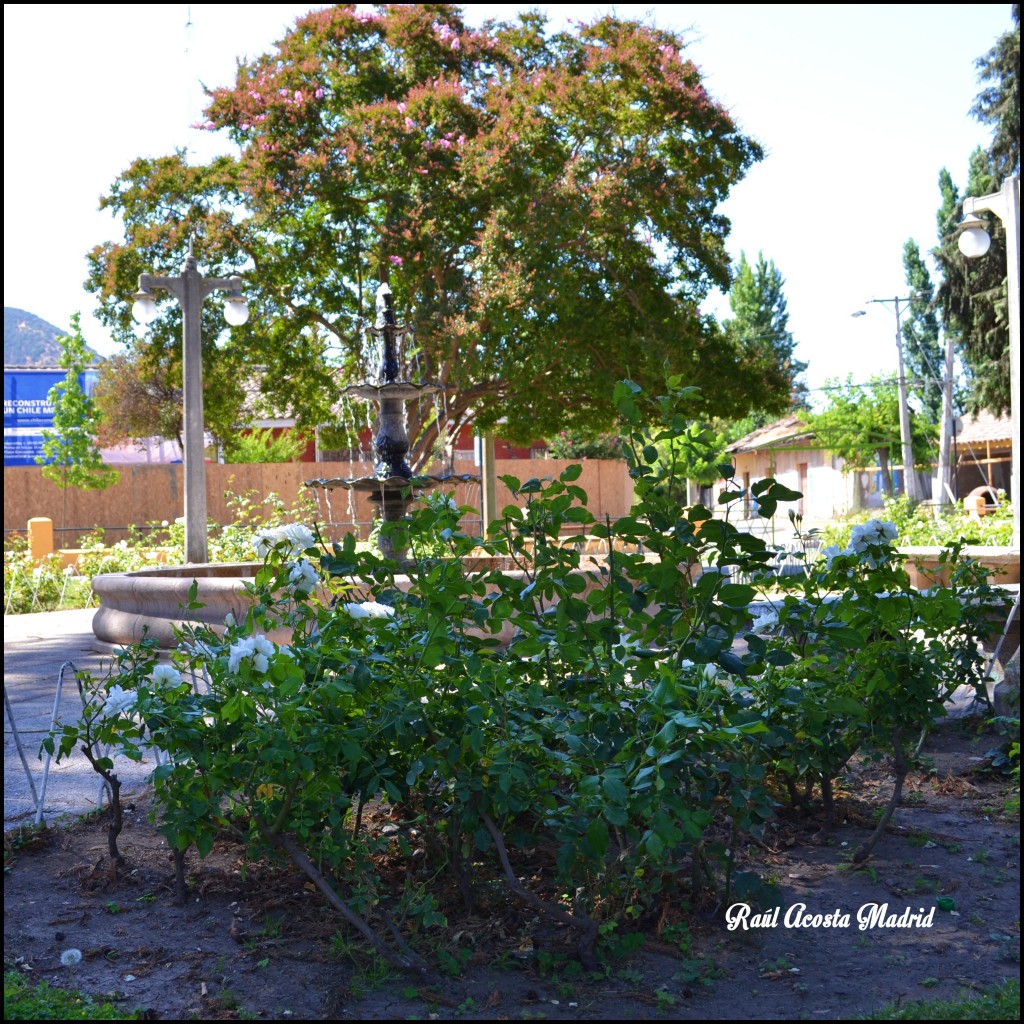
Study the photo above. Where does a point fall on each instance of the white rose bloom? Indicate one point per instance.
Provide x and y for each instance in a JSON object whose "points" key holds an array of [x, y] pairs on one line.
{"points": [[299, 537], [293, 539], [303, 577], [118, 700], [376, 610], [368, 610], [765, 620], [239, 651], [831, 553], [873, 532], [257, 648], [262, 644], [263, 542], [165, 675]]}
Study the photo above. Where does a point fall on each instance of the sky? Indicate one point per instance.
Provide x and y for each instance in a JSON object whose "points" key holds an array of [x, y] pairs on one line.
{"points": [[858, 107]]}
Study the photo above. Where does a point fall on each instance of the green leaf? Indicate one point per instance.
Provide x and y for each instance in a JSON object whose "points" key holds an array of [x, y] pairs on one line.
{"points": [[653, 844], [615, 814], [737, 595], [732, 664], [614, 789], [597, 837]]}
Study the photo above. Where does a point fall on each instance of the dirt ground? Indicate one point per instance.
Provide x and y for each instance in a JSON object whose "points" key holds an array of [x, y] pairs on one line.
{"points": [[255, 942]]}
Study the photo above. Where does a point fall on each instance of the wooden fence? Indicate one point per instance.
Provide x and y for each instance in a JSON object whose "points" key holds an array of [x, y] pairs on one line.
{"points": [[153, 493]]}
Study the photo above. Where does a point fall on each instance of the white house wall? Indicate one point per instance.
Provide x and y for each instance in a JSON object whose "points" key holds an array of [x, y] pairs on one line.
{"points": [[826, 490]]}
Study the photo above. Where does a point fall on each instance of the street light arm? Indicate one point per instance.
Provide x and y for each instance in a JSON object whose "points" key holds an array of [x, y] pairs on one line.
{"points": [[232, 284], [208, 285], [995, 203]]}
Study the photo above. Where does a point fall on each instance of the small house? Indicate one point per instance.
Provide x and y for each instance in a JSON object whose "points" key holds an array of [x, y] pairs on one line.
{"points": [[789, 451]]}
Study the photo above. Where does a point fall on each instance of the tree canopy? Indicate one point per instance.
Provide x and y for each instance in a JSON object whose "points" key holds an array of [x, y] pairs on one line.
{"points": [[546, 204], [972, 294], [70, 456], [922, 349], [760, 328], [861, 424], [998, 103]]}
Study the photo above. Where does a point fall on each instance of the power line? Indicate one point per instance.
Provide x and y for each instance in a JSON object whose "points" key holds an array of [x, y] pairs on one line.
{"points": [[886, 381]]}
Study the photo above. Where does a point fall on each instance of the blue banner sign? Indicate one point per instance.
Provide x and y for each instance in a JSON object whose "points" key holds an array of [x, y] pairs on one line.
{"points": [[28, 411]]}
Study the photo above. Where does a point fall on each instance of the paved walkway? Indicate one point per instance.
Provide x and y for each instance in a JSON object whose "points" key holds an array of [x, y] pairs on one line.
{"points": [[35, 647]]}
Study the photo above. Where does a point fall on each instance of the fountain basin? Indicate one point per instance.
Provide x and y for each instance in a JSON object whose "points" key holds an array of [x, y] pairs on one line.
{"points": [[926, 569], [403, 390], [151, 602]]}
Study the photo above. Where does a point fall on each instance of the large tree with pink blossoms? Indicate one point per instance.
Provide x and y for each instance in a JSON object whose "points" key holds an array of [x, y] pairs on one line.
{"points": [[545, 204]]}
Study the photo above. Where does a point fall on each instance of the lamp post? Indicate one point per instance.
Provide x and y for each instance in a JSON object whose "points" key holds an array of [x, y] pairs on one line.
{"points": [[909, 476], [191, 289], [974, 242]]}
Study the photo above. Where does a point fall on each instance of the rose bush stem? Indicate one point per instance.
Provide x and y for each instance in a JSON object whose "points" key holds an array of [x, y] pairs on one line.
{"points": [[408, 960], [581, 922], [901, 766]]}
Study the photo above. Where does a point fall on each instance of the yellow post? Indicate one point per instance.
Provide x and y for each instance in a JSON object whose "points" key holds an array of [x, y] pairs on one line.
{"points": [[40, 538]]}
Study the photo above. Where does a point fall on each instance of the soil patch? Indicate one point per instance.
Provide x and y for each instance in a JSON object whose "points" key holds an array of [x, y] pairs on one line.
{"points": [[255, 941]]}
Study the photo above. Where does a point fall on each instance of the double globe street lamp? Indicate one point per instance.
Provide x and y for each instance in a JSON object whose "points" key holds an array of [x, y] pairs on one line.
{"points": [[191, 289], [973, 243]]}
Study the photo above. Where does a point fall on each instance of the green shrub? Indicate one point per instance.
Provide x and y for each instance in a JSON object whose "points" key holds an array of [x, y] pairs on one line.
{"points": [[919, 525], [617, 731], [31, 1000], [262, 445], [45, 587], [50, 586]]}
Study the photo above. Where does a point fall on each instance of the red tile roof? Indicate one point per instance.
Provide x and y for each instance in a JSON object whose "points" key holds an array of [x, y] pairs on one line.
{"points": [[984, 427]]}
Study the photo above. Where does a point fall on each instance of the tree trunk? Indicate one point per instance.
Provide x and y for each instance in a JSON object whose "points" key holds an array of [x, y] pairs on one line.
{"points": [[883, 465]]}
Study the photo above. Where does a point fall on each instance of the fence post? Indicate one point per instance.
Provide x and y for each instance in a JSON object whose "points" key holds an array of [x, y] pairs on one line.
{"points": [[40, 538]]}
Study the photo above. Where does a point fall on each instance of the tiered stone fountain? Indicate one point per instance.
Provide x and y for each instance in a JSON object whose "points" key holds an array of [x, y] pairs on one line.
{"points": [[392, 484]]}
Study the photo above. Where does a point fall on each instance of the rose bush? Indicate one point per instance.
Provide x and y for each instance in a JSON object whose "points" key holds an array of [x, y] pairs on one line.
{"points": [[624, 730]]}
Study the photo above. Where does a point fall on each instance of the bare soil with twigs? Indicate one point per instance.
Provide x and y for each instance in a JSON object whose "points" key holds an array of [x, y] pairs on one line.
{"points": [[256, 942]]}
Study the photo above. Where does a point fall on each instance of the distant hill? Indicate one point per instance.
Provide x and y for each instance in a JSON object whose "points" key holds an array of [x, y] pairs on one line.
{"points": [[29, 340]]}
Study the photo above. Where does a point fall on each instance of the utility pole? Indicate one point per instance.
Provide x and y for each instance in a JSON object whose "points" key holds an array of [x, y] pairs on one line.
{"points": [[900, 306]]}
